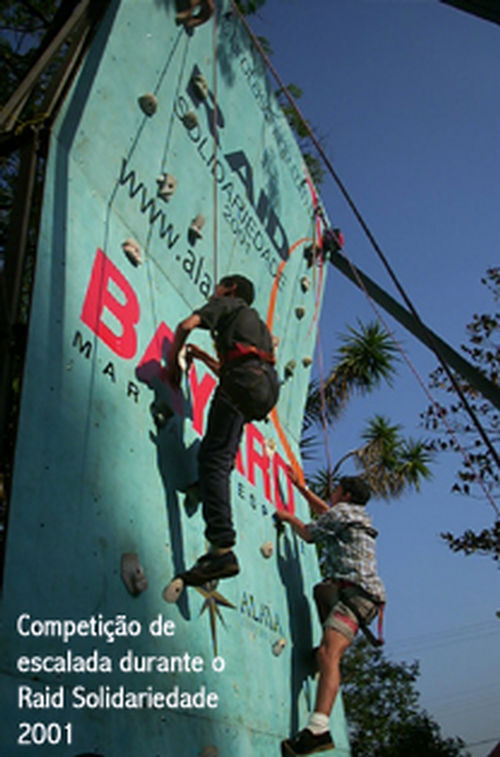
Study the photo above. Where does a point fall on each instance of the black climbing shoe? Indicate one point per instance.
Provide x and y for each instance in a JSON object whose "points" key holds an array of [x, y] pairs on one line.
{"points": [[306, 742], [211, 566]]}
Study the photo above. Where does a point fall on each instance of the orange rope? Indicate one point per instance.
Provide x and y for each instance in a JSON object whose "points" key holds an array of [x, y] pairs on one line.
{"points": [[274, 288]]}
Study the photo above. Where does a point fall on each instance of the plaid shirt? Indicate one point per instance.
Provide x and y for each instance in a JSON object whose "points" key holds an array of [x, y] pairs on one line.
{"points": [[348, 547]]}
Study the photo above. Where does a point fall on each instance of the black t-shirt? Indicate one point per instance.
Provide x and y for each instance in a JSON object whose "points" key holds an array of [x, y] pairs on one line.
{"points": [[231, 320]]}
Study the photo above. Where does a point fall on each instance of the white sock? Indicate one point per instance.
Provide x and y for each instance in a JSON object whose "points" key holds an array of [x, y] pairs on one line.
{"points": [[318, 723]]}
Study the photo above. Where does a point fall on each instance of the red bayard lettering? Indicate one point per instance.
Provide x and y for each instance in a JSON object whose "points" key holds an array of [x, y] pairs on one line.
{"points": [[120, 335], [100, 299]]}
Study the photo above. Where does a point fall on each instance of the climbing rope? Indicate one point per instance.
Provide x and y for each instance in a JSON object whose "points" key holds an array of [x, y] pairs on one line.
{"points": [[430, 341], [215, 136], [317, 245], [324, 419]]}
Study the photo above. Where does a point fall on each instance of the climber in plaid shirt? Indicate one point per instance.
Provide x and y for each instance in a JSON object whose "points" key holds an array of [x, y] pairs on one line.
{"points": [[350, 597]]}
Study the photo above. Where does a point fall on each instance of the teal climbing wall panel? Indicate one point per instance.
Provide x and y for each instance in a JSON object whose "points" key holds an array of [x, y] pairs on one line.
{"points": [[95, 477]]}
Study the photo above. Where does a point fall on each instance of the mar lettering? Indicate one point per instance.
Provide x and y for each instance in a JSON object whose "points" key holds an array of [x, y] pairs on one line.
{"points": [[110, 293]]}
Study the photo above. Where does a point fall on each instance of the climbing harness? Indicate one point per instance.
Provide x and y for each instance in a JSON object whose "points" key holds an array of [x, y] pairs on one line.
{"points": [[244, 351], [328, 592]]}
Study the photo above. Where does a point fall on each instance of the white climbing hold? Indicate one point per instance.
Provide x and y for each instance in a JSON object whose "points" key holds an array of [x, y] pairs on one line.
{"points": [[278, 647], [190, 120], [132, 250], [307, 361], [270, 447], [300, 311], [196, 227], [267, 549], [166, 186], [172, 592], [305, 283], [132, 574], [200, 86], [148, 103]]}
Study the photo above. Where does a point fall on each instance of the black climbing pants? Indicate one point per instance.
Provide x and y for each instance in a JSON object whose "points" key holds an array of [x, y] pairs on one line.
{"points": [[247, 391], [216, 460]]}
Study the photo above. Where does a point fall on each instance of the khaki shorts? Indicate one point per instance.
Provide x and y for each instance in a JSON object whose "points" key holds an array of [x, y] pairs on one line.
{"points": [[335, 613]]}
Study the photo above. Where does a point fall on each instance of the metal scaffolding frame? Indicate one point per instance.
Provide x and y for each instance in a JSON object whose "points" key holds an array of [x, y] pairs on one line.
{"points": [[73, 27]]}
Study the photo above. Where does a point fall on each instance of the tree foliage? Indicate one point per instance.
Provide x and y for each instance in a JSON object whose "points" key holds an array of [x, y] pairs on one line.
{"points": [[23, 25], [247, 7], [383, 711], [25, 29], [389, 462], [301, 128], [479, 471], [365, 358]]}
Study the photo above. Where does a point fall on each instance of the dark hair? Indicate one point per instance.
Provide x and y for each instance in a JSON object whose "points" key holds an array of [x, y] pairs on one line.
{"points": [[244, 287], [358, 489]]}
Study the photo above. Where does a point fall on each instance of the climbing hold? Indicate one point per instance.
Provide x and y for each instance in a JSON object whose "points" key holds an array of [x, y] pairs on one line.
{"points": [[290, 368], [196, 228], [161, 413], [190, 120], [300, 311], [166, 186], [267, 549], [172, 592], [278, 647], [210, 751], [270, 447], [305, 283], [190, 19], [200, 86], [132, 250], [148, 103], [133, 574], [310, 253], [307, 361]]}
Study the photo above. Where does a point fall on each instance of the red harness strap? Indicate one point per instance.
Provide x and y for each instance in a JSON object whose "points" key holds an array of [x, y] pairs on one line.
{"points": [[380, 623], [381, 607], [248, 350]]}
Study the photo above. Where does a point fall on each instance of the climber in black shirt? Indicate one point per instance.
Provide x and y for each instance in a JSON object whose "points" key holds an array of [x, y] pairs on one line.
{"points": [[248, 389]]}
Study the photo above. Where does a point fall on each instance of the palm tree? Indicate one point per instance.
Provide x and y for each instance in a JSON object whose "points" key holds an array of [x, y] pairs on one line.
{"points": [[365, 358], [386, 460], [389, 463]]}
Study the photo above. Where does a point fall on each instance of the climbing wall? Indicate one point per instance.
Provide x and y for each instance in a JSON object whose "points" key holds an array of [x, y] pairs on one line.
{"points": [[170, 165]]}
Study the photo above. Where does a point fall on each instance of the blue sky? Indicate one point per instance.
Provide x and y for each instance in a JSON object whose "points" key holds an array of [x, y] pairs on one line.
{"points": [[405, 95]]}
